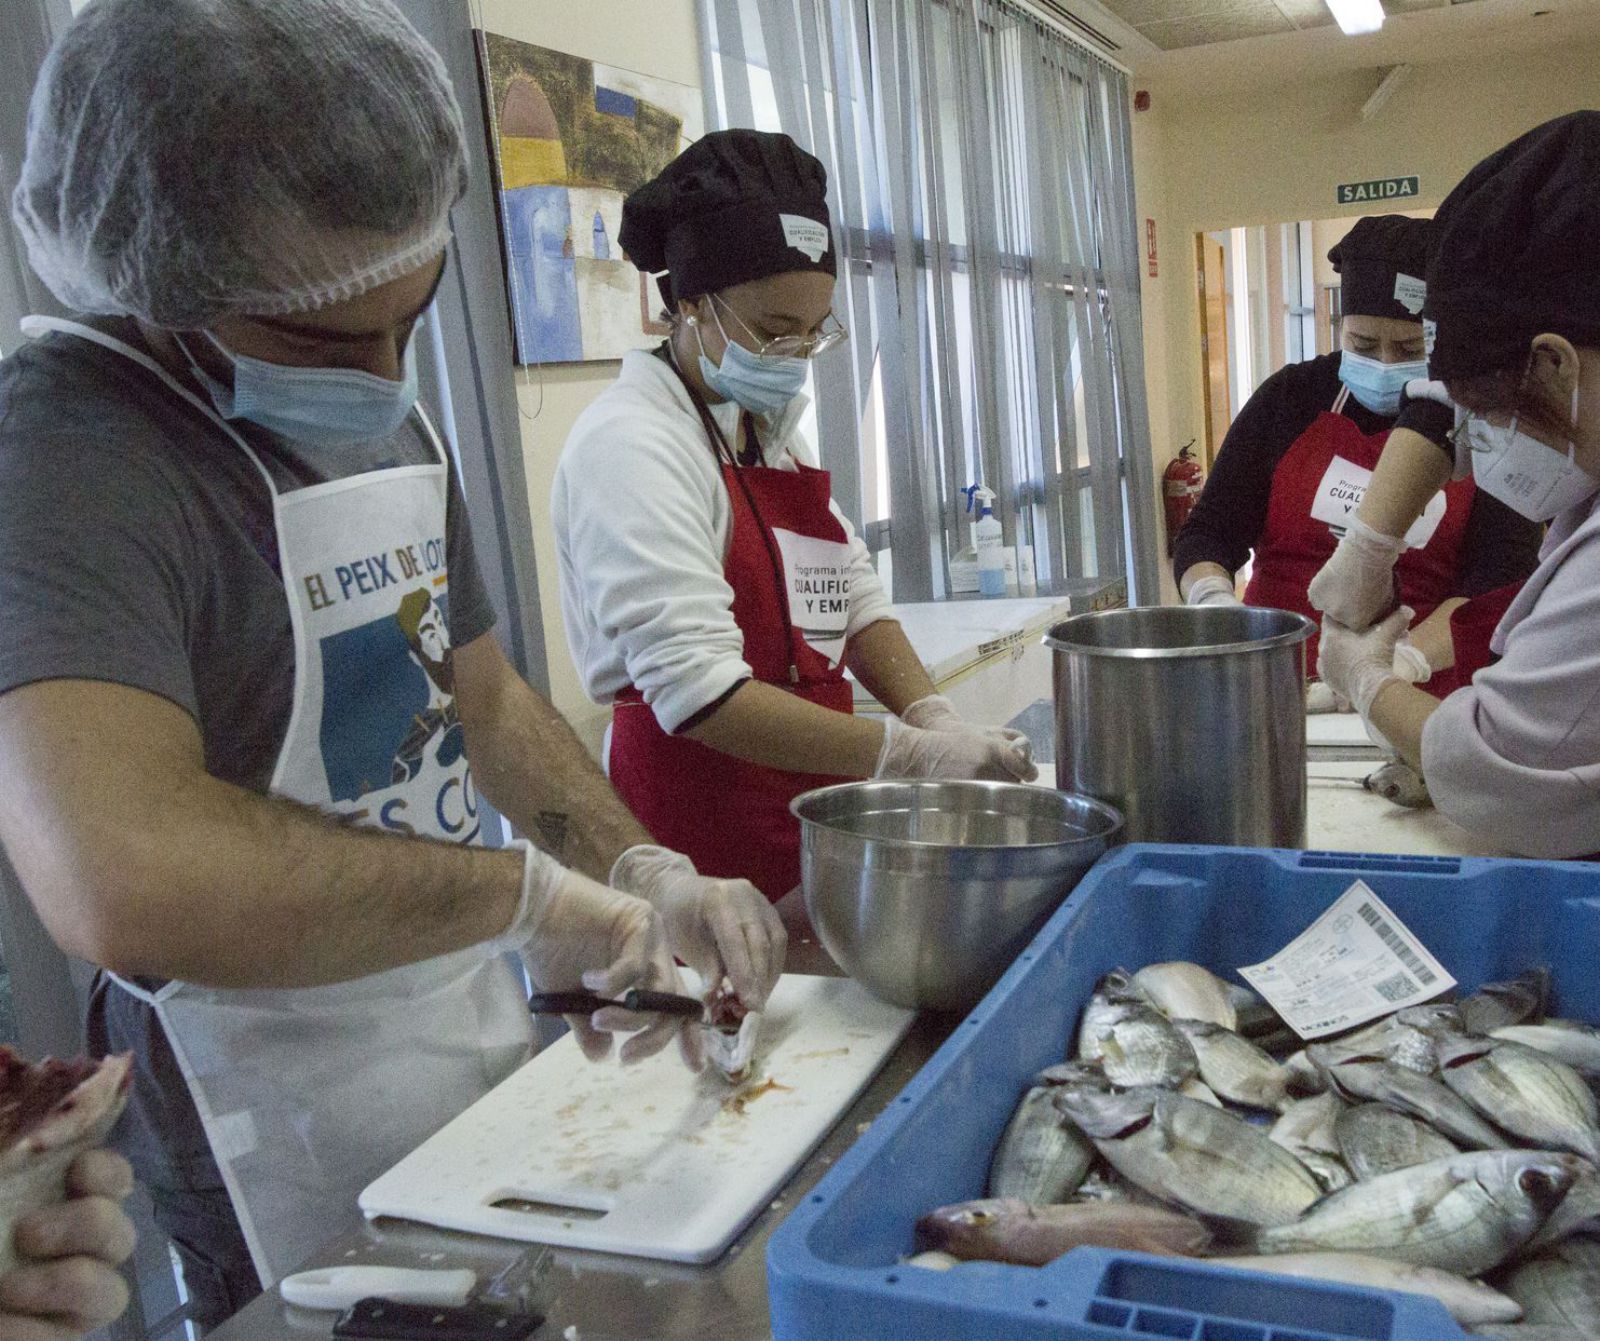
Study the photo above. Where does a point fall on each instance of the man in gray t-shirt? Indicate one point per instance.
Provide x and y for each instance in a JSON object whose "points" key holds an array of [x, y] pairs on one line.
{"points": [[249, 692], [137, 548]]}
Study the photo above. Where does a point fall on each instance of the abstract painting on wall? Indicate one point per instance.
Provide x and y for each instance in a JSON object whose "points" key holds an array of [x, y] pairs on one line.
{"points": [[571, 139]]}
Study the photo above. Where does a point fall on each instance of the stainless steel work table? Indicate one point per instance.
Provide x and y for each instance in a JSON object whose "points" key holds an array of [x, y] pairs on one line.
{"points": [[612, 1298]]}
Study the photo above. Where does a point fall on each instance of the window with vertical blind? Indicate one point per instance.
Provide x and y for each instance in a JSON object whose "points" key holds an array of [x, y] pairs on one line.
{"points": [[980, 177]]}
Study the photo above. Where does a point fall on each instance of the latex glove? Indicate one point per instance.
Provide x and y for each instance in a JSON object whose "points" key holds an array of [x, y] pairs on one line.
{"points": [[1212, 590], [1320, 699], [1356, 586], [937, 713], [1358, 665], [719, 928], [65, 1283], [574, 932], [1409, 662], [912, 753]]}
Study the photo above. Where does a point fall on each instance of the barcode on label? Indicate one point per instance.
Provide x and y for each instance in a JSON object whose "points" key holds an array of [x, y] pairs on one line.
{"points": [[1403, 952], [1397, 988]]}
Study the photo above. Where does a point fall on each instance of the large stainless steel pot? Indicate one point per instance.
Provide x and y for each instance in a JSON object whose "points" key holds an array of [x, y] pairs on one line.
{"points": [[926, 891], [1192, 722]]}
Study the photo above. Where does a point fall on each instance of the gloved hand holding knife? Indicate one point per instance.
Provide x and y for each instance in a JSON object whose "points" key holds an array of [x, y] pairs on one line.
{"points": [[726, 931]]}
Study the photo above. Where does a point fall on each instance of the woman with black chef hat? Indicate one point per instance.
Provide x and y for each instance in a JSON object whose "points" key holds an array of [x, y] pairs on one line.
{"points": [[712, 590], [1514, 292], [1295, 462]]}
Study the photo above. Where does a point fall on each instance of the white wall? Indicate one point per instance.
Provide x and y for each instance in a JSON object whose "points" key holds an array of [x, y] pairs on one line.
{"points": [[661, 39], [1214, 160]]}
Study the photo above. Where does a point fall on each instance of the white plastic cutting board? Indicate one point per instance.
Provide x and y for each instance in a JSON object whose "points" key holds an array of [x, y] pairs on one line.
{"points": [[1342, 817], [676, 1164], [1338, 728]]}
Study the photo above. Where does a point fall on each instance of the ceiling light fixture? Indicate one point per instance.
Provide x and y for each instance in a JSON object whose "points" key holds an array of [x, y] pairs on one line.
{"points": [[1357, 16]]}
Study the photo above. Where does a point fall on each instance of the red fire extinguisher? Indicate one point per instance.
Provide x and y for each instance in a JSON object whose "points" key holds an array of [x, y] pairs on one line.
{"points": [[1181, 483]]}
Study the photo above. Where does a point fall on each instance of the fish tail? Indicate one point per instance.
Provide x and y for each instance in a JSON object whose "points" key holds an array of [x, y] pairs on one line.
{"points": [[1230, 1236]]}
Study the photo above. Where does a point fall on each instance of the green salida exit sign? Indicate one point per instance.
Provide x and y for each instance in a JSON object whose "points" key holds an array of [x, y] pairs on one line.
{"points": [[1385, 188]]}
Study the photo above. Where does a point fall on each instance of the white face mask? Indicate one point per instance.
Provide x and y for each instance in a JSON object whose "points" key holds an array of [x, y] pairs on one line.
{"points": [[1528, 476]]}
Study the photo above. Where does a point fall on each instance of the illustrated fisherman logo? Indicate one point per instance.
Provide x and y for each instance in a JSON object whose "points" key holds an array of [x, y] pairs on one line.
{"points": [[388, 703], [422, 623]]}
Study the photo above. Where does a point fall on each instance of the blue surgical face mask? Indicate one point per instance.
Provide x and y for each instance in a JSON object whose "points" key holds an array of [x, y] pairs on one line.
{"points": [[764, 386], [1377, 385], [323, 407]]}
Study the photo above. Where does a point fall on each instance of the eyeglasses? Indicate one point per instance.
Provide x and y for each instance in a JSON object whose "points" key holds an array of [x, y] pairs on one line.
{"points": [[787, 346]]}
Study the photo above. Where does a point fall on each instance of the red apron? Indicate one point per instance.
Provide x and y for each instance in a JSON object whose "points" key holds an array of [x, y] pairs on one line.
{"points": [[1294, 545], [1471, 627], [731, 818]]}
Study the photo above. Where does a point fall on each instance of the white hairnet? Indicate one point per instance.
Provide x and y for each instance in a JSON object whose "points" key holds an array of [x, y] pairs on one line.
{"points": [[190, 159]]}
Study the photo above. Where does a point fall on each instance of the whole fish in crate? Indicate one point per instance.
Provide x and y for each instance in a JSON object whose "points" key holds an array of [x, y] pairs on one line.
{"points": [[1525, 1092], [1466, 1214], [1014, 1231], [1192, 1155]]}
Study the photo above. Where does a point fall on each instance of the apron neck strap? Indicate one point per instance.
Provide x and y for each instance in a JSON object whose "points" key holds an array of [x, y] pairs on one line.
{"points": [[37, 325], [1341, 400], [727, 456], [751, 456]]}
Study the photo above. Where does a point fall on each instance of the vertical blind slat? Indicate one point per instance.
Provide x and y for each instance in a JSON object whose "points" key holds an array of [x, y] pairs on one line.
{"points": [[980, 171]]}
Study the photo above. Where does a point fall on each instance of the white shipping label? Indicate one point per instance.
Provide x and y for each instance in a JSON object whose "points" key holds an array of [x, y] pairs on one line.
{"points": [[816, 575], [1344, 485], [1356, 962]]}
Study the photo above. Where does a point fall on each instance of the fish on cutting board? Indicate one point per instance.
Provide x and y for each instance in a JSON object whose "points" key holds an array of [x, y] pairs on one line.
{"points": [[731, 1032]]}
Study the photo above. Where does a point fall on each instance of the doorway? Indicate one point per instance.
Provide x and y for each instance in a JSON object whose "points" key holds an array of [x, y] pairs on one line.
{"points": [[1211, 273], [1269, 296]]}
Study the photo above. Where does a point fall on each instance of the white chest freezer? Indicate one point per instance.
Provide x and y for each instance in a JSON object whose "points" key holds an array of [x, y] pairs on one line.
{"points": [[987, 656]]}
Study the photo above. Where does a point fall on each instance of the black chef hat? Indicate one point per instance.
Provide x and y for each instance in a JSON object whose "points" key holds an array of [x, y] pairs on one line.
{"points": [[1382, 263], [1517, 251], [736, 205]]}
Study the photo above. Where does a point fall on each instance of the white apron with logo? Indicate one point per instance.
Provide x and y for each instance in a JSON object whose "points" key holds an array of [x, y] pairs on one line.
{"points": [[308, 1094]]}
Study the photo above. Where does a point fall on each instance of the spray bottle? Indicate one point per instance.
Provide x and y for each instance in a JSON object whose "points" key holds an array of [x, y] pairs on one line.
{"points": [[991, 546]]}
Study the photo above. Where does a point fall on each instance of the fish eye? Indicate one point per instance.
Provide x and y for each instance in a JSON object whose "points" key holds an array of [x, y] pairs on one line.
{"points": [[1537, 1184]]}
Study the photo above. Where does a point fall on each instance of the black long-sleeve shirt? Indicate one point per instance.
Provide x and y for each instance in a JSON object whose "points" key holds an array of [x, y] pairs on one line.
{"points": [[1500, 546]]}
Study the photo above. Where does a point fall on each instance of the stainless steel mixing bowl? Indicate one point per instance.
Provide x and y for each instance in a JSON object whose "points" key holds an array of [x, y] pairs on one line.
{"points": [[926, 891]]}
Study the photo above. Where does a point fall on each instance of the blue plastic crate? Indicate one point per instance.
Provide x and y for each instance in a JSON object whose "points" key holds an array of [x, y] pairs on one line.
{"points": [[832, 1267]]}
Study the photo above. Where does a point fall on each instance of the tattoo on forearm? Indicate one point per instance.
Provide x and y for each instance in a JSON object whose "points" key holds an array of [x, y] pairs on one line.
{"points": [[553, 827]]}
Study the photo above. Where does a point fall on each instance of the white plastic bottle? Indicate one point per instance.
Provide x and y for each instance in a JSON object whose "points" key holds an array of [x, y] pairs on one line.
{"points": [[991, 545]]}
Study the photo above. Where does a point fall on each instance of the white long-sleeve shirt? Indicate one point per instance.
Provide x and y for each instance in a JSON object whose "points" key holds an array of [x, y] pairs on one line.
{"points": [[643, 523], [1516, 754]]}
